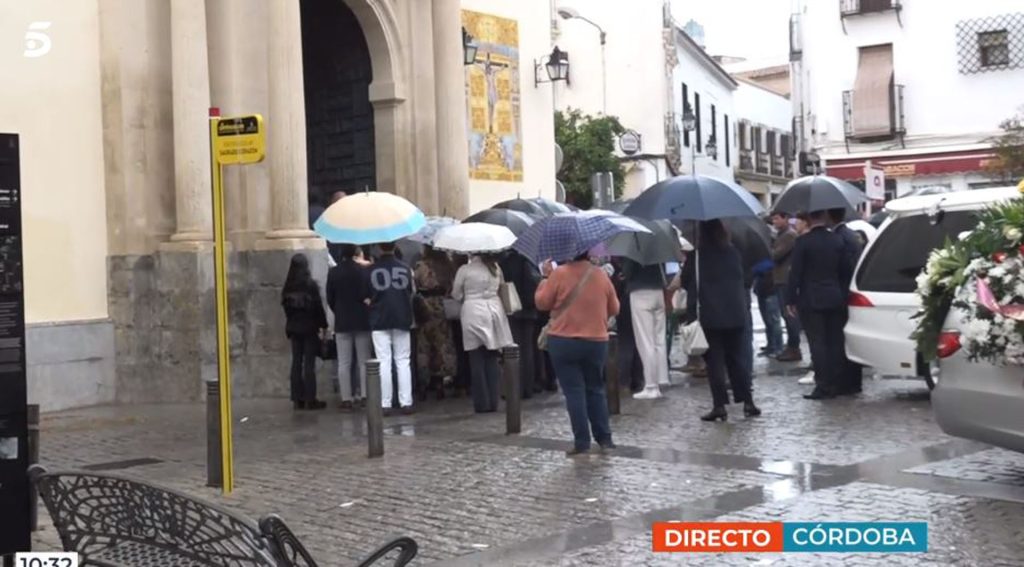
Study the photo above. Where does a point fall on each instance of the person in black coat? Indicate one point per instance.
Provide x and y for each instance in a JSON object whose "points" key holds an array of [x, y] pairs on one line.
{"points": [[631, 370], [305, 324], [526, 277], [852, 373], [817, 290], [717, 295], [345, 285]]}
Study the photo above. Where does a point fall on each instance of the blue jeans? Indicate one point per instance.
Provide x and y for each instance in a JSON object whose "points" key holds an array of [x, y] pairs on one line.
{"points": [[579, 366], [793, 327], [771, 314]]}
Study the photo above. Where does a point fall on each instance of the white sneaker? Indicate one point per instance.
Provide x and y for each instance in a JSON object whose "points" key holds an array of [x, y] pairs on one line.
{"points": [[807, 380], [650, 393]]}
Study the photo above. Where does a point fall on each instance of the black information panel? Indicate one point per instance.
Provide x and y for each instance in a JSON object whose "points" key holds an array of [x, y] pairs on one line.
{"points": [[14, 493]]}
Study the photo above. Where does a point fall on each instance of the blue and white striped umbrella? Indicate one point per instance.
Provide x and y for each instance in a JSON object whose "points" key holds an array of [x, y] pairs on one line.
{"points": [[564, 237], [369, 218]]}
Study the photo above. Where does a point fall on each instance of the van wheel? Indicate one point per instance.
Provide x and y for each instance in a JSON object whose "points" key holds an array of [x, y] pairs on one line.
{"points": [[929, 372]]}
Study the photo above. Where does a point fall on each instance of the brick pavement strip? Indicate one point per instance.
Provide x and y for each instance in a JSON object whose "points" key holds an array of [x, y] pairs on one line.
{"points": [[445, 481]]}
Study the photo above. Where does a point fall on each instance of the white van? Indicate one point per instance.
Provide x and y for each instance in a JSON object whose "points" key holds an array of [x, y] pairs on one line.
{"points": [[882, 299]]}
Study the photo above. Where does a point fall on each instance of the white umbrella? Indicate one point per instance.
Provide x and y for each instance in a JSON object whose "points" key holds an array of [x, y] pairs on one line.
{"points": [[369, 218], [474, 238], [869, 231]]}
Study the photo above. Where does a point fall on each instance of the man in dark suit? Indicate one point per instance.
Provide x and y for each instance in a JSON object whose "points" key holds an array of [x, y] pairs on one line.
{"points": [[816, 290], [853, 373]]}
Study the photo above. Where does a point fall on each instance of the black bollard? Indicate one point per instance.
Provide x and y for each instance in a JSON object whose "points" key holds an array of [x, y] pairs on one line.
{"points": [[214, 474], [374, 410], [513, 391], [33, 459], [611, 375]]}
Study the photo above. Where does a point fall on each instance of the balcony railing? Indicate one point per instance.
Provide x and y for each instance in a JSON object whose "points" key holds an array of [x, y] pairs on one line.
{"points": [[856, 7], [796, 42], [897, 117], [761, 163], [746, 160]]}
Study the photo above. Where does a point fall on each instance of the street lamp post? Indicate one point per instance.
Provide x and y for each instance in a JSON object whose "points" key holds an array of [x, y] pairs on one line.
{"points": [[571, 14]]}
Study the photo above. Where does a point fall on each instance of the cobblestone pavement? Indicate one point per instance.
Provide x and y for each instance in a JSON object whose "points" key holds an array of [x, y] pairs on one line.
{"points": [[471, 495]]}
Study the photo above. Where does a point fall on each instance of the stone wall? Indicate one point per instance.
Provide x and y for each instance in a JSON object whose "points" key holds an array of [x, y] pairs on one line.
{"points": [[164, 315]]}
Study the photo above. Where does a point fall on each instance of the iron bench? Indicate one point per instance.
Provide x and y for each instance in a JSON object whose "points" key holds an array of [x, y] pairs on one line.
{"points": [[116, 521]]}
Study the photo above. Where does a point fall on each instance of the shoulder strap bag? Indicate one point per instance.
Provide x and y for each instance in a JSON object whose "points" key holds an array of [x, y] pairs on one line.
{"points": [[542, 340]]}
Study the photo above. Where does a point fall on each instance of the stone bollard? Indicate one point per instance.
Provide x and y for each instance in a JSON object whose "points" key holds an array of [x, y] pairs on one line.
{"points": [[214, 474], [374, 410], [33, 459], [611, 375], [513, 391]]}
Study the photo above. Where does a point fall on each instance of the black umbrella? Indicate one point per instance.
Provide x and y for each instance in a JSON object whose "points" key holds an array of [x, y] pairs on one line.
{"points": [[690, 197], [515, 221], [539, 208], [819, 193], [552, 207], [661, 245]]}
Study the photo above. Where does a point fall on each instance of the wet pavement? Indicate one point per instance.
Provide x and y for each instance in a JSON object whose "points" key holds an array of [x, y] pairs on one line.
{"points": [[471, 495]]}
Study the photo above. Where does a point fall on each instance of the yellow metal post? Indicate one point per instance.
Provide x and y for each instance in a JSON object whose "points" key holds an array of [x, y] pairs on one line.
{"points": [[221, 290]]}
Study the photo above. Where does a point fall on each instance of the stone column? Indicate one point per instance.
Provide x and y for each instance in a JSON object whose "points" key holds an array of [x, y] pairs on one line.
{"points": [[450, 98], [286, 131], [191, 103]]}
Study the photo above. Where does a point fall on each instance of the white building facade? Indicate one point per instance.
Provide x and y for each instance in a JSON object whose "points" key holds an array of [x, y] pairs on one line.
{"points": [[765, 140], [650, 66], [917, 89]]}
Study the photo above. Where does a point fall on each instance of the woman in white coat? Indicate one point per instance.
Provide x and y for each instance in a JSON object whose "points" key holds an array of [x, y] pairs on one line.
{"points": [[485, 329]]}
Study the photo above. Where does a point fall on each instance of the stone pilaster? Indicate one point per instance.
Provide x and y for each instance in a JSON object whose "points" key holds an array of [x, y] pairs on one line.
{"points": [[286, 132], [450, 102], [191, 102]]}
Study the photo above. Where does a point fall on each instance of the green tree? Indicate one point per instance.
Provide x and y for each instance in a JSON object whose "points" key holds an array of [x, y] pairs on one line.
{"points": [[588, 147], [1009, 146]]}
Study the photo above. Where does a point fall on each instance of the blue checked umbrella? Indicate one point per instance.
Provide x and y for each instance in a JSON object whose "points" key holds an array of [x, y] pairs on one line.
{"points": [[564, 237], [428, 233]]}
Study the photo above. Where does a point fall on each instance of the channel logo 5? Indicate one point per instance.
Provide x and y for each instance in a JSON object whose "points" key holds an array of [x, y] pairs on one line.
{"points": [[37, 42]]}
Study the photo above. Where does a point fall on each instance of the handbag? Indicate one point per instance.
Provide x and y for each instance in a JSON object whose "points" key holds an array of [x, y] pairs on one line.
{"points": [[694, 342], [509, 297], [542, 339], [328, 349], [452, 309]]}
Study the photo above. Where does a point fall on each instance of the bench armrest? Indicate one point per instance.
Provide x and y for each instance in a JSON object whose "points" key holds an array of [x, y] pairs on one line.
{"points": [[408, 548]]}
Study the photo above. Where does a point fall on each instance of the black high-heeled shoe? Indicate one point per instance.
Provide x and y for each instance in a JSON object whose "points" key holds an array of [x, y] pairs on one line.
{"points": [[750, 410], [716, 414]]}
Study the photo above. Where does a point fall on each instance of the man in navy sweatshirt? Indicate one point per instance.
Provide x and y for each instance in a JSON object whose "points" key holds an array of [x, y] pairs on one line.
{"points": [[388, 293]]}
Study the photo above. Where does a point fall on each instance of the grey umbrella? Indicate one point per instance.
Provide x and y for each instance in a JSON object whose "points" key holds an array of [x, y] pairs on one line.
{"points": [[818, 193], [658, 247]]}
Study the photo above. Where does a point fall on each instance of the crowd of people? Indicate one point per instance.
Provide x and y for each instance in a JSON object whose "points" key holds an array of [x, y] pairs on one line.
{"points": [[440, 325]]}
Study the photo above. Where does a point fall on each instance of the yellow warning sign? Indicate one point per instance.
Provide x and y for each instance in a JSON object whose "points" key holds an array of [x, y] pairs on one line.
{"points": [[240, 140]]}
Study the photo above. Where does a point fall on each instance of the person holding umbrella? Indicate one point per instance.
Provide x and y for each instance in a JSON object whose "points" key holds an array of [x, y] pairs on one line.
{"points": [[581, 300], [716, 297], [485, 328]]}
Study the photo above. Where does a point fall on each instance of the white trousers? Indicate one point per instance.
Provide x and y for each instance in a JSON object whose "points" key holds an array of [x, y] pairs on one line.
{"points": [[394, 347], [349, 344], [648, 306]]}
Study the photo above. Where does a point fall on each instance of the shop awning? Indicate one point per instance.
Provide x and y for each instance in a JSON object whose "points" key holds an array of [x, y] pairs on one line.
{"points": [[942, 163]]}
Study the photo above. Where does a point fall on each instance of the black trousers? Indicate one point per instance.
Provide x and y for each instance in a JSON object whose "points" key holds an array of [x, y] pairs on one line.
{"points": [[524, 333], [303, 374], [726, 355], [483, 365], [462, 379], [631, 368], [824, 331], [852, 373]]}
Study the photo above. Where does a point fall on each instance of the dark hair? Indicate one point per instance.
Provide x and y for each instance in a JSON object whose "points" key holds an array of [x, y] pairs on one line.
{"points": [[837, 215], [714, 231], [581, 257], [387, 247], [299, 276], [491, 261], [780, 214], [801, 216], [441, 264], [819, 216], [348, 251]]}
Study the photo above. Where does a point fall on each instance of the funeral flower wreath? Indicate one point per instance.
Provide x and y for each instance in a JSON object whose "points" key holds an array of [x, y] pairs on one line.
{"points": [[981, 274]]}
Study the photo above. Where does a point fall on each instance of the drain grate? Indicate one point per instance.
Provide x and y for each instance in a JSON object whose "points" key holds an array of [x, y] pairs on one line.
{"points": [[121, 465]]}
